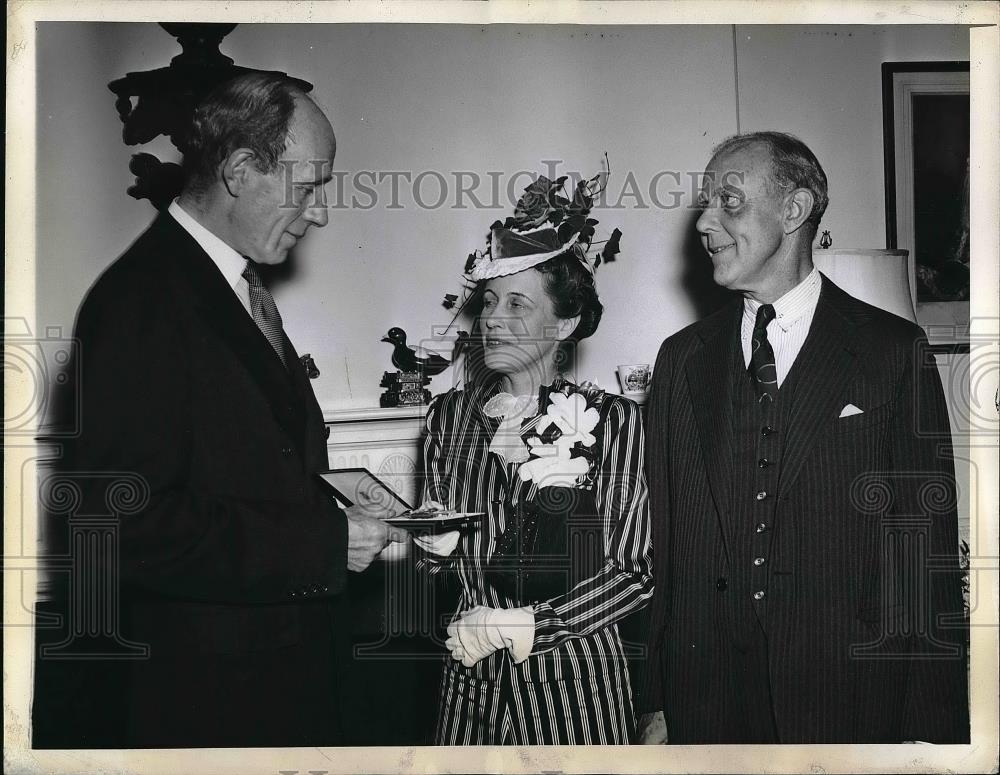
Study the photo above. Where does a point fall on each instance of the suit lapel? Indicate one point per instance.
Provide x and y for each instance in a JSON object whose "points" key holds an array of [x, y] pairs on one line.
{"points": [[824, 367], [221, 309], [711, 388], [305, 401]]}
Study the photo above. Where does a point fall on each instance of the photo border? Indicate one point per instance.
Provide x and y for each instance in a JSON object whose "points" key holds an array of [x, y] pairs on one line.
{"points": [[19, 228]]}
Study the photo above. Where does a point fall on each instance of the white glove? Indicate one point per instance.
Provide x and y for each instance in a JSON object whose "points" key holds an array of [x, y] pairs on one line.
{"points": [[442, 544], [481, 631]]}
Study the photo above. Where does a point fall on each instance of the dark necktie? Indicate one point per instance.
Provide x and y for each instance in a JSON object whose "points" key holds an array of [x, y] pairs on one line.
{"points": [[762, 369], [265, 312]]}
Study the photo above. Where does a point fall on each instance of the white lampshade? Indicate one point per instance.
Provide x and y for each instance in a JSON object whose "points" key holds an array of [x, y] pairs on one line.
{"points": [[880, 277]]}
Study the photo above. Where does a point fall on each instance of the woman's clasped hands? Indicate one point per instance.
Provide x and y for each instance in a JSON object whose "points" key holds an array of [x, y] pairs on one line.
{"points": [[481, 630]]}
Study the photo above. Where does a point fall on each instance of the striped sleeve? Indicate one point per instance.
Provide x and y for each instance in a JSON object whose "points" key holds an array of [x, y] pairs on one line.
{"points": [[435, 479], [626, 582]]}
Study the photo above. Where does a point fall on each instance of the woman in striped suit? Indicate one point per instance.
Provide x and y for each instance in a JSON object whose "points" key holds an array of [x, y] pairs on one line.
{"points": [[528, 667]]}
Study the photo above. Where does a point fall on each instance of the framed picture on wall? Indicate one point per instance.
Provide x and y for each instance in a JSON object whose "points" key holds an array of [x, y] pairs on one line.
{"points": [[926, 116]]}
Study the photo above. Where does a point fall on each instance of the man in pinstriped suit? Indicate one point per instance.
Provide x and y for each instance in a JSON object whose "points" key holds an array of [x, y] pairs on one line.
{"points": [[802, 494]]}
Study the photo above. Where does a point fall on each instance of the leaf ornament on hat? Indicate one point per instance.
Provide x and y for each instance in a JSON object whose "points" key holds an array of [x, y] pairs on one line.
{"points": [[549, 220]]}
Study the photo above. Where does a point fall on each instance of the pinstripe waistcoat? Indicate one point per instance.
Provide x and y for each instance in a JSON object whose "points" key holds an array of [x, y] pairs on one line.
{"points": [[863, 607]]}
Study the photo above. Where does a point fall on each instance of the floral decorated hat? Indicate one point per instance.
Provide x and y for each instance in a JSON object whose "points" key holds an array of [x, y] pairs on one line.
{"points": [[547, 222]]}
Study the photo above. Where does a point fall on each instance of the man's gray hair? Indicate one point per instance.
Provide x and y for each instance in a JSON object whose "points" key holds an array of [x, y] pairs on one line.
{"points": [[793, 166], [252, 111]]}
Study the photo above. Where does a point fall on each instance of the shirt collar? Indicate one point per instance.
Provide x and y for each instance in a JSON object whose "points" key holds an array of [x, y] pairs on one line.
{"points": [[229, 262], [794, 305]]}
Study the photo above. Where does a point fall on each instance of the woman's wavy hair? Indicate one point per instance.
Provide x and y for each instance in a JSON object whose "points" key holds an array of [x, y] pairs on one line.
{"points": [[573, 292]]}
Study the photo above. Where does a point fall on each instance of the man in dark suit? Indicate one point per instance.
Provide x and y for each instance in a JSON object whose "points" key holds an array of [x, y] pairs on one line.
{"points": [[802, 494], [234, 561]]}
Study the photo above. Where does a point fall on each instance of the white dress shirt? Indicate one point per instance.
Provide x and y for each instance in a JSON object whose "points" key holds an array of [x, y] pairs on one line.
{"points": [[229, 262], [787, 332]]}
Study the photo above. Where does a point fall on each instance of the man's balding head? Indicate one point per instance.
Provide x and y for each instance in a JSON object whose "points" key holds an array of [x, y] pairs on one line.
{"points": [[257, 157], [251, 111], [793, 166], [762, 198]]}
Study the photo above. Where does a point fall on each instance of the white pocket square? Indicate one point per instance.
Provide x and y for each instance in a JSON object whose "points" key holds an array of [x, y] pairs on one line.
{"points": [[850, 410]]}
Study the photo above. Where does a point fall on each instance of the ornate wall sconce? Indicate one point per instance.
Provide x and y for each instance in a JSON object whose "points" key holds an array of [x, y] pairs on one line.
{"points": [[166, 97]]}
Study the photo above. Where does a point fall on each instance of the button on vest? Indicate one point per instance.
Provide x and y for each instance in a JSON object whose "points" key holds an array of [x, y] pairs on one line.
{"points": [[759, 433]]}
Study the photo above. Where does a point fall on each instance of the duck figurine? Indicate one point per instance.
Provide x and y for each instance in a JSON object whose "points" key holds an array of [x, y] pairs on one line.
{"points": [[407, 358]]}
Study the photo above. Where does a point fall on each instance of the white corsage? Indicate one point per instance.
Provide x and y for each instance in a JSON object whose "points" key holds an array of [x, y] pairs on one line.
{"points": [[561, 445], [573, 417]]}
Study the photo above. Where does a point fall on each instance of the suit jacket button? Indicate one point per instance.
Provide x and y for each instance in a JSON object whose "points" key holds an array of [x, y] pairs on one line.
{"points": [[286, 451], [767, 430], [722, 584], [758, 595]]}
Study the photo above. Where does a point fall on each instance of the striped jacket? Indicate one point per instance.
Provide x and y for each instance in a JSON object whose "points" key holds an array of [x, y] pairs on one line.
{"points": [[576, 638]]}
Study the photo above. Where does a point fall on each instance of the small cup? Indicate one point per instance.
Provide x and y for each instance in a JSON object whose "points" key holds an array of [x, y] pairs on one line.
{"points": [[634, 378]]}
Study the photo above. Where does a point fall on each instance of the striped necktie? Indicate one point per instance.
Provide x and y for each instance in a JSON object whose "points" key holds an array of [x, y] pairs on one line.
{"points": [[265, 312], [762, 369]]}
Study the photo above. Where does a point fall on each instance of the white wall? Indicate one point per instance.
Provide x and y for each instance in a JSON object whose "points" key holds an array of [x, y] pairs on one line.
{"points": [[501, 98], [84, 217], [823, 84]]}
